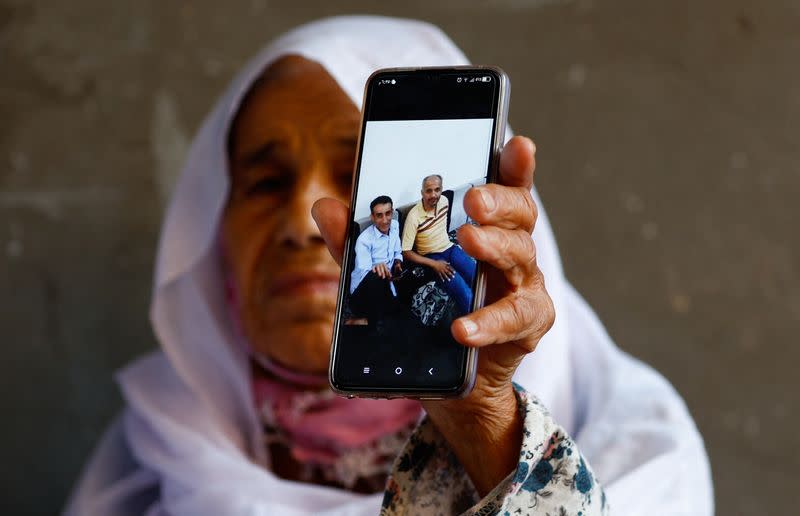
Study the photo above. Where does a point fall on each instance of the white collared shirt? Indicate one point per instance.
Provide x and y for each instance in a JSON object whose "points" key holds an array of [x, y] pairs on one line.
{"points": [[374, 247]]}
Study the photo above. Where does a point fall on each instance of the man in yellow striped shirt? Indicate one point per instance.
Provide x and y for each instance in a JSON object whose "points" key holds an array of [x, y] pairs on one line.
{"points": [[426, 242]]}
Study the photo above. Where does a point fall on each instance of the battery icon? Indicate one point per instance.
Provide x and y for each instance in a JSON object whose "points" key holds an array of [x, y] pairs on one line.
{"points": [[486, 79]]}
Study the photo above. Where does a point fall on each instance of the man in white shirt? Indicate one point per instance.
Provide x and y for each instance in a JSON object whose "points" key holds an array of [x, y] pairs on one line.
{"points": [[378, 258]]}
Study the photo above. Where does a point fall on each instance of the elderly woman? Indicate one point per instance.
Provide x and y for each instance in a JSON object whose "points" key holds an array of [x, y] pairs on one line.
{"points": [[233, 415]]}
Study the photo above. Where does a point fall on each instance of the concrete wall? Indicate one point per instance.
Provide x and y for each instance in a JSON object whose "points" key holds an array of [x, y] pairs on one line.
{"points": [[667, 136]]}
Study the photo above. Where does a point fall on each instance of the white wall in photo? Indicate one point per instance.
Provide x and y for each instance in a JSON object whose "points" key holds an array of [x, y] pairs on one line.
{"points": [[399, 153]]}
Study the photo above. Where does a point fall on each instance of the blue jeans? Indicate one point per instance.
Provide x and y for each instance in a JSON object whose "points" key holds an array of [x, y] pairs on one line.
{"points": [[460, 286]]}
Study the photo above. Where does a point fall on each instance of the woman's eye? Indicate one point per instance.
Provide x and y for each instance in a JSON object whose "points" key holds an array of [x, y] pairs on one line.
{"points": [[345, 176], [343, 171], [269, 185], [344, 182]]}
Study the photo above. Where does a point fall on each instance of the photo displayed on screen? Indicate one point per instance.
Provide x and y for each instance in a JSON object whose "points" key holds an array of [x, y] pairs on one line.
{"points": [[408, 278]]}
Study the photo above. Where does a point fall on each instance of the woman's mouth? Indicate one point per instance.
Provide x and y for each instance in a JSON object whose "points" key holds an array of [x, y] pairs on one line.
{"points": [[305, 283]]}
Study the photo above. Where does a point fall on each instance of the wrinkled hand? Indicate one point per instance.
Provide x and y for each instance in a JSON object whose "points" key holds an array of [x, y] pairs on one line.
{"points": [[484, 429], [382, 271], [443, 269]]}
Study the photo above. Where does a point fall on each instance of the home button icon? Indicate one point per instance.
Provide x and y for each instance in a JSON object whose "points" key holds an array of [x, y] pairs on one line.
{"points": [[399, 370]]}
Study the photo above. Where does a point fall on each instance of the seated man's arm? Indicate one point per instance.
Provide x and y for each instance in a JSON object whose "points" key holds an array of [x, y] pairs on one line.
{"points": [[440, 267], [363, 259], [409, 237], [414, 257], [397, 249]]}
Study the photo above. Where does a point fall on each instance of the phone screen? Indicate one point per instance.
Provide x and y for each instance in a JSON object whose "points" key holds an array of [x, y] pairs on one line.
{"points": [[427, 138]]}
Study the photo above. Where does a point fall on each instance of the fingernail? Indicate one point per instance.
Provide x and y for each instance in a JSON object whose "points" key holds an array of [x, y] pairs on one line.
{"points": [[488, 200], [470, 327]]}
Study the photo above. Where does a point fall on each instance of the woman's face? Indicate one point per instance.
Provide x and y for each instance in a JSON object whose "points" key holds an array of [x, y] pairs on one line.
{"points": [[292, 142]]}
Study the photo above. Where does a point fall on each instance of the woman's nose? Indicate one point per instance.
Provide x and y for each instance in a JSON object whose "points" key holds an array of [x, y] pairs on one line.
{"points": [[299, 229]]}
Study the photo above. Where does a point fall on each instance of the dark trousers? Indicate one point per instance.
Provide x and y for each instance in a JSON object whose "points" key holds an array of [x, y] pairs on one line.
{"points": [[373, 298], [460, 286]]}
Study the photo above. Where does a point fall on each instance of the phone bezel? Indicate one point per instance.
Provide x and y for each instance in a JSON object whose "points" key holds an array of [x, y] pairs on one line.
{"points": [[468, 373]]}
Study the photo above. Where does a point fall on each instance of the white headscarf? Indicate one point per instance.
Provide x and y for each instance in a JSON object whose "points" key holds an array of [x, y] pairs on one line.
{"points": [[189, 441]]}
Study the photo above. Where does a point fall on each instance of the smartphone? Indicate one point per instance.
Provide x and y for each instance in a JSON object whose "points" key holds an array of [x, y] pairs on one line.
{"points": [[427, 136]]}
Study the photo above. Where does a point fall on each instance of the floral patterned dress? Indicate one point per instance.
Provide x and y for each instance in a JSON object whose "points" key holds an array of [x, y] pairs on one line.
{"points": [[551, 478]]}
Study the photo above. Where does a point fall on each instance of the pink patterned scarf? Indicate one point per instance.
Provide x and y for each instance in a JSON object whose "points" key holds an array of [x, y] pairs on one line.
{"points": [[344, 439]]}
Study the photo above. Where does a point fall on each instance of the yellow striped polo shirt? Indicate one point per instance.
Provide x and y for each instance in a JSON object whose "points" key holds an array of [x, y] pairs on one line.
{"points": [[427, 232]]}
